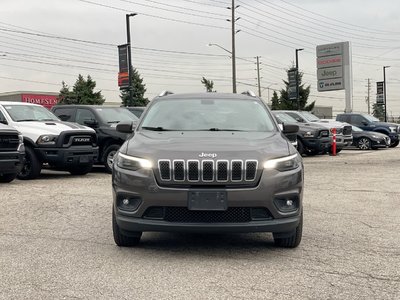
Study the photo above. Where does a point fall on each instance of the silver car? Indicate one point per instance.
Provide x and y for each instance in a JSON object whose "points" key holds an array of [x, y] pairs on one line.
{"points": [[207, 163]]}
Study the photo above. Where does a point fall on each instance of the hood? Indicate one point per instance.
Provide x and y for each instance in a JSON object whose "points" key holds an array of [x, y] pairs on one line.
{"points": [[310, 126], [34, 129], [330, 124], [8, 129], [208, 145]]}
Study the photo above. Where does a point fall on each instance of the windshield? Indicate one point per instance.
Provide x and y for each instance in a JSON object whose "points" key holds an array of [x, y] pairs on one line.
{"points": [[21, 113], [355, 128], [208, 114], [115, 114], [371, 118], [284, 118], [309, 116]]}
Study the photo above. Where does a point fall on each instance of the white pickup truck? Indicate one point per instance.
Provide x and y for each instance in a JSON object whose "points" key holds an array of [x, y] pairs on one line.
{"points": [[48, 141]]}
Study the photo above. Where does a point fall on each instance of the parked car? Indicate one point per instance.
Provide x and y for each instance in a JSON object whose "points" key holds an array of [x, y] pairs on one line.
{"points": [[103, 119], [370, 123], [343, 131], [292, 137], [207, 163], [12, 152], [311, 138], [60, 145], [136, 110], [366, 140]]}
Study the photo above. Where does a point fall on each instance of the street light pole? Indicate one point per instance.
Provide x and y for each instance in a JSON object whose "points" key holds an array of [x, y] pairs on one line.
{"points": [[384, 89], [128, 41], [297, 78]]}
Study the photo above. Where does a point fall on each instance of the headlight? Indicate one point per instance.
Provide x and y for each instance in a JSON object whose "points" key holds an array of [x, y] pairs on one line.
{"points": [[309, 134], [284, 163], [132, 163], [47, 139], [393, 128]]}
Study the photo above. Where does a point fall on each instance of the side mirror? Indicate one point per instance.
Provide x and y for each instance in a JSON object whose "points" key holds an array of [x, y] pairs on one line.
{"points": [[91, 122], [126, 126], [290, 128]]}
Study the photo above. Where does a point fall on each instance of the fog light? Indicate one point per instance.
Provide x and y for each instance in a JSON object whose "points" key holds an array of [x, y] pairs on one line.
{"points": [[128, 202], [288, 203]]}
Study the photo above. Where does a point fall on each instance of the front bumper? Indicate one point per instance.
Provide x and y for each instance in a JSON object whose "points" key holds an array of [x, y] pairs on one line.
{"points": [[272, 185], [11, 162], [317, 144], [64, 158], [343, 141]]}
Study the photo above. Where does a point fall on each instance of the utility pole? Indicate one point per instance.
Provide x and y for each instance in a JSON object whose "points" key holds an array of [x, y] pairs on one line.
{"points": [[384, 89], [233, 20], [368, 97], [130, 69], [258, 76]]}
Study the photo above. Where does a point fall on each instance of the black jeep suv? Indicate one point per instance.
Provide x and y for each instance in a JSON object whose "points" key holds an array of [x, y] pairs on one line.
{"points": [[103, 119]]}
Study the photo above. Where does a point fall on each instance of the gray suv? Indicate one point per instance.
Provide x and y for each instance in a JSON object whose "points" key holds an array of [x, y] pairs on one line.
{"points": [[207, 163]]}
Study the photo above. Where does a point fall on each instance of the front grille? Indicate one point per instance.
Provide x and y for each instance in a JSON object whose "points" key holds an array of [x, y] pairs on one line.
{"points": [[9, 142], [339, 130], [207, 170], [347, 130], [184, 215], [78, 140]]}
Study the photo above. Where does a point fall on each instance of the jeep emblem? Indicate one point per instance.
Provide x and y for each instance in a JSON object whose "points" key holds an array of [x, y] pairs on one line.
{"points": [[207, 155]]}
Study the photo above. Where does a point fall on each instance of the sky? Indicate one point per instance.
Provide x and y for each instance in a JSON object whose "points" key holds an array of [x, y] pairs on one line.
{"points": [[45, 42]]}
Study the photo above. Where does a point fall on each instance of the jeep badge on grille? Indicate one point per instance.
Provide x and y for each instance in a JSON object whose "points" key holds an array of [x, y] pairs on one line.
{"points": [[212, 155]]}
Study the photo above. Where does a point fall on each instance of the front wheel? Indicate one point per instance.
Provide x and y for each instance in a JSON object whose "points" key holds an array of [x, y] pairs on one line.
{"points": [[32, 166], [293, 239], [395, 144], [6, 178], [108, 156], [364, 143], [123, 240]]}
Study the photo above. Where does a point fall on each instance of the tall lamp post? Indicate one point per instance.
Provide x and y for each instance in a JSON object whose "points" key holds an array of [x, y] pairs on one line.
{"points": [[297, 78], [128, 41], [384, 90], [233, 65]]}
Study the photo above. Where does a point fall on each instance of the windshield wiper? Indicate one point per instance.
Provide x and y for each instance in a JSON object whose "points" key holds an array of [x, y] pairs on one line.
{"points": [[155, 128], [111, 122], [26, 120]]}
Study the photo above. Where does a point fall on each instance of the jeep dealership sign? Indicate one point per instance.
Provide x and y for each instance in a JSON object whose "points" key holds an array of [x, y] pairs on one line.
{"points": [[334, 69]]}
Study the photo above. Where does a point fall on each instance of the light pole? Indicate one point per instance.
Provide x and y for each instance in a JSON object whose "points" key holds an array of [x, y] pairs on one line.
{"points": [[297, 78], [268, 88], [212, 44], [128, 41], [384, 89], [233, 65]]}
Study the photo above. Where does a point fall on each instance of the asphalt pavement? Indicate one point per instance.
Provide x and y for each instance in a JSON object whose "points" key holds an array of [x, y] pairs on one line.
{"points": [[56, 242]]}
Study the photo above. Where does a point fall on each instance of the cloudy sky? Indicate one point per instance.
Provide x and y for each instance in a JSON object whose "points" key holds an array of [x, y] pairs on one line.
{"points": [[46, 42]]}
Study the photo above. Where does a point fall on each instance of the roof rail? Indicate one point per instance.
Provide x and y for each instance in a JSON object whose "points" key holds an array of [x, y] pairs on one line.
{"points": [[165, 93], [249, 93]]}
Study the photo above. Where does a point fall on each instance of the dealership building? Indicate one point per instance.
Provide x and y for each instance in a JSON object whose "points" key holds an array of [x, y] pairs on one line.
{"points": [[46, 99]]}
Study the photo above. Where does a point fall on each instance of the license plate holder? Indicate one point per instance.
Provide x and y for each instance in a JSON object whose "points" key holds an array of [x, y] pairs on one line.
{"points": [[207, 200]]}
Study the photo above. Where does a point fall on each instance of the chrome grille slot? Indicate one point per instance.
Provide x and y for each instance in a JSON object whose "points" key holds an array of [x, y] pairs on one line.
{"points": [[208, 170], [251, 170], [179, 170], [165, 169], [323, 133], [193, 170], [236, 170], [222, 170]]}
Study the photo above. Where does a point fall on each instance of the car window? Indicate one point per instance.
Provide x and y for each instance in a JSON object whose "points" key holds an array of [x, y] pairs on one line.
{"points": [[209, 114], [112, 115], [357, 120], [295, 116], [83, 115], [24, 113], [65, 113], [3, 118]]}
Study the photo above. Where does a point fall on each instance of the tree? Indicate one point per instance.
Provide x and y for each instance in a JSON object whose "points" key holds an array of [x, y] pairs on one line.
{"points": [[275, 101], [304, 92], [378, 111], [82, 92], [209, 84], [138, 90]]}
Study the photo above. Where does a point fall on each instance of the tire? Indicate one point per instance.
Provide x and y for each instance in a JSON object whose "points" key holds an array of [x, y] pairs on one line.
{"points": [[293, 239], [395, 144], [32, 166], [108, 156], [80, 170], [122, 240], [364, 143], [300, 147], [6, 178]]}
